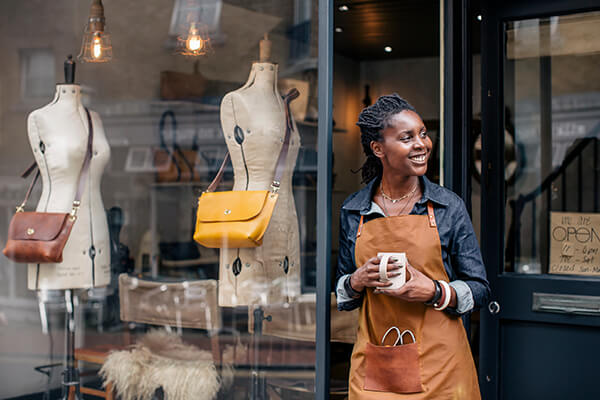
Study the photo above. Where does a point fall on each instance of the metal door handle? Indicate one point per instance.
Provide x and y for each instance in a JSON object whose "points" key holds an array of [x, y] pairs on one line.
{"points": [[494, 307]]}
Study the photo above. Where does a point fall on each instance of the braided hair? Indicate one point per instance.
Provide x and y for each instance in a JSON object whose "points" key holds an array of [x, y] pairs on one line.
{"points": [[372, 120]]}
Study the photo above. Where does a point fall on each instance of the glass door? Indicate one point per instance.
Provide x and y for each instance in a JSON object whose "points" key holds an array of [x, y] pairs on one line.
{"points": [[541, 199]]}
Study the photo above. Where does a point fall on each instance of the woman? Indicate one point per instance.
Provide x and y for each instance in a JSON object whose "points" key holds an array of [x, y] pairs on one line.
{"points": [[400, 210]]}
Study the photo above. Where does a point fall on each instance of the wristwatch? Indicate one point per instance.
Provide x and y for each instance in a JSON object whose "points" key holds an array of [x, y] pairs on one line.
{"points": [[437, 295], [350, 290]]}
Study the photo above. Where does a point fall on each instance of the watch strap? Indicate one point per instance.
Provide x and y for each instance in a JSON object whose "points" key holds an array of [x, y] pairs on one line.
{"points": [[350, 290], [436, 296]]}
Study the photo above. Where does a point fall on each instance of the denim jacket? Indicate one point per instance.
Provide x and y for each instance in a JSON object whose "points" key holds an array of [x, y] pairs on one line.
{"points": [[460, 249]]}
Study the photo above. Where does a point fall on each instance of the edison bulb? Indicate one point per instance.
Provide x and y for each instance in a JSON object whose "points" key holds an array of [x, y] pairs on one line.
{"points": [[194, 43], [97, 47]]}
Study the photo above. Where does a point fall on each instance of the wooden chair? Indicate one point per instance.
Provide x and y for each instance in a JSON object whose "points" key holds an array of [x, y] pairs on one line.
{"points": [[96, 355], [182, 305]]}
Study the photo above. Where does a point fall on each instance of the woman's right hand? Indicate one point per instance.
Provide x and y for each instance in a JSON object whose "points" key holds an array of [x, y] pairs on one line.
{"points": [[368, 275]]}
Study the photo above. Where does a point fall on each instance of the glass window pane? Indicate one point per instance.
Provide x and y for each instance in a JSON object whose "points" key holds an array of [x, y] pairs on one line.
{"points": [[37, 69], [552, 125], [180, 85]]}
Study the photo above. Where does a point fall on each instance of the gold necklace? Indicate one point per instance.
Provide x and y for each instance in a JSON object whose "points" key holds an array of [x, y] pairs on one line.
{"points": [[394, 201], [387, 214]]}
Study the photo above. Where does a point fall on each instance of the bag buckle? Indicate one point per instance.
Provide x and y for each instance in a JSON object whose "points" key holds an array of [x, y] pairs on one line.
{"points": [[275, 186], [76, 205], [21, 208]]}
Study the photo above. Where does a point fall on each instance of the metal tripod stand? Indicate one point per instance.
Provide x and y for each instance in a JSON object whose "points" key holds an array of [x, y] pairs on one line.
{"points": [[258, 391], [70, 375]]}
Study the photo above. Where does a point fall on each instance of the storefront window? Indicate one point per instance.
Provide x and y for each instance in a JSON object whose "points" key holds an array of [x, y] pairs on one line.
{"points": [[188, 82], [552, 125]]}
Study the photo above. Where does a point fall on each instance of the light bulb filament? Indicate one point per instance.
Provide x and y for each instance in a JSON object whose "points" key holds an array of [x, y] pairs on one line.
{"points": [[97, 47], [194, 43]]}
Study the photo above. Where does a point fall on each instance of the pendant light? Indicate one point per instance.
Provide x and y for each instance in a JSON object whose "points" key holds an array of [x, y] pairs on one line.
{"points": [[96, 44], [195, 42]]}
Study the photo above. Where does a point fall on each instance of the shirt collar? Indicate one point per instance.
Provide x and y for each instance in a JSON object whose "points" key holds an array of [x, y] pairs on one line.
{"points": [[362, 201]]}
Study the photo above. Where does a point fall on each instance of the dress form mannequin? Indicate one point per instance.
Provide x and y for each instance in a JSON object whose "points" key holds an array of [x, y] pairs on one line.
{"points": [[58, 134], [269, 273]]}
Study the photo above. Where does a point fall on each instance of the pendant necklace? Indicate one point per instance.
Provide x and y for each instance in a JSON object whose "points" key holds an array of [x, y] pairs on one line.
{"points": [[394, 201], [387, 214]]}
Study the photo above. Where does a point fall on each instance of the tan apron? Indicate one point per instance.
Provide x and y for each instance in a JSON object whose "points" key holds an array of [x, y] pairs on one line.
{"points": [[441, 354]]}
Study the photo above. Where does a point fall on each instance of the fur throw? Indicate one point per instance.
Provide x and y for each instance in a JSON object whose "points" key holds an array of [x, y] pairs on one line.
{"points": [[161, 359]]}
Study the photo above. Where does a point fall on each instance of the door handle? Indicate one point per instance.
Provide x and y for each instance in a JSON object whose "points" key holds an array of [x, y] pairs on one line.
{"points": [[494, 307]]}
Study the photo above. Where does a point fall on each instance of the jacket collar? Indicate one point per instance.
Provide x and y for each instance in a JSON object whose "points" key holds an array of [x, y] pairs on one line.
{"points": [[362, 200]]}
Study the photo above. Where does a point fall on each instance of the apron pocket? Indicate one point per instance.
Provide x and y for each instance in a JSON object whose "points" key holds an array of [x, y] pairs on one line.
{"points": [[393, 368]]}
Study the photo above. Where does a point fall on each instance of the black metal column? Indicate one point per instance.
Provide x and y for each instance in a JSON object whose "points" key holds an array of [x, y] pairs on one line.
{"points": [[457, 98], [325, 75]]}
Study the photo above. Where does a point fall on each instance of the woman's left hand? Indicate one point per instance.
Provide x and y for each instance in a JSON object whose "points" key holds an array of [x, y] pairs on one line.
{"points": [[418, 287]]}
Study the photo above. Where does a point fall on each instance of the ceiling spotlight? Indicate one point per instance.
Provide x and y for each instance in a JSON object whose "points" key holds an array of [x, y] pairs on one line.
{"points": [[343, 8], [339, 30], [387, 49], [479, 17]]}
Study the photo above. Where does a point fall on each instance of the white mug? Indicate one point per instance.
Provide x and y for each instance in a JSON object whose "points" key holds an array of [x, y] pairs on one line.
{"points": [[397, 281]]}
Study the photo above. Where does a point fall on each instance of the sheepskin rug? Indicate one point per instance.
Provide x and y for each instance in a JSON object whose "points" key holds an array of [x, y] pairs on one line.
{"points": [[161, 359]]}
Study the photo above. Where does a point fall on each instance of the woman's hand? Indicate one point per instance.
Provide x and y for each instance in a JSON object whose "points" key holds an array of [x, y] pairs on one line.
{"points": [[368, 275], [418, 287]]}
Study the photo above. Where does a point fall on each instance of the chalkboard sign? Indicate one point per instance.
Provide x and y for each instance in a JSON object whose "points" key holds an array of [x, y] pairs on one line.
{"points": [[574, 243]]}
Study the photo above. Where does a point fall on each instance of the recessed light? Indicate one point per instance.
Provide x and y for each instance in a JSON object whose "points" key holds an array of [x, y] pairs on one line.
{"points": [[479, 17], [387, 49], [343, 8], [339, 30]]}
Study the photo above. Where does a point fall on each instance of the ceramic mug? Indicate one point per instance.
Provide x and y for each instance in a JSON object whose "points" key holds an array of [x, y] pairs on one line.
{"points": [[397, 281]]}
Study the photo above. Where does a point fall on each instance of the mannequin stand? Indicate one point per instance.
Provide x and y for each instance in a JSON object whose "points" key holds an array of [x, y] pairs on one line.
{"points": [[259, 383], [70, 376]]}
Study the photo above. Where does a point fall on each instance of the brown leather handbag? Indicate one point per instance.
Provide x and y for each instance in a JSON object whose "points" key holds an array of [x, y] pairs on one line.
{"points": [[40, 237]]}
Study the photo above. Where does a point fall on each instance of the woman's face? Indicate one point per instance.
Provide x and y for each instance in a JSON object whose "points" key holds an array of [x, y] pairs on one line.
{"points": [[405, 147]]}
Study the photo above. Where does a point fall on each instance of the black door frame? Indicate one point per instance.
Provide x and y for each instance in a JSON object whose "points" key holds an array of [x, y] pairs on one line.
{"points": [[511, 291], [324, 185], [457, 97]]}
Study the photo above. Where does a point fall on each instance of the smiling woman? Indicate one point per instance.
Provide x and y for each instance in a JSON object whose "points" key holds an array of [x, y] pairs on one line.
{"points": [[400, 211]]}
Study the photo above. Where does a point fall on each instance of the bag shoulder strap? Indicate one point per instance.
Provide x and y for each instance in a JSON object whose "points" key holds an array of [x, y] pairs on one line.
{"points": [[163, 143], [280, 165], [83, 173]]}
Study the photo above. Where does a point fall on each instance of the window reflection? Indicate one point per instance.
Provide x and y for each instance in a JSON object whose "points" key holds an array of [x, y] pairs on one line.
{"points": [[167, 120], [553, 102]]}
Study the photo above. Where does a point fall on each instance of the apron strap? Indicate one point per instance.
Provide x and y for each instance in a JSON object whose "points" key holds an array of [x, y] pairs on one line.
{"points": [[360, 224], [431, 215]]}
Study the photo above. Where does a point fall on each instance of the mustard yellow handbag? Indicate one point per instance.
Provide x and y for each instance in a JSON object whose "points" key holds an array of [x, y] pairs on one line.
{"points": [[239, 219]]}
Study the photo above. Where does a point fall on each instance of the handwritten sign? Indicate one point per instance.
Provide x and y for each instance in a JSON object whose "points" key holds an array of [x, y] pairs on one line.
{"points": [[574, 243]]}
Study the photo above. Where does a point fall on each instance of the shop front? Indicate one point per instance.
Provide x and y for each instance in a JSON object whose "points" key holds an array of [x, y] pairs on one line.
{"points": [[190, 159]]}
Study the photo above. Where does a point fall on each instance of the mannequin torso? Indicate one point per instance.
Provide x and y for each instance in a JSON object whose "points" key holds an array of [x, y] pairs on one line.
{"points": [[269, 273], [58, 134]]}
